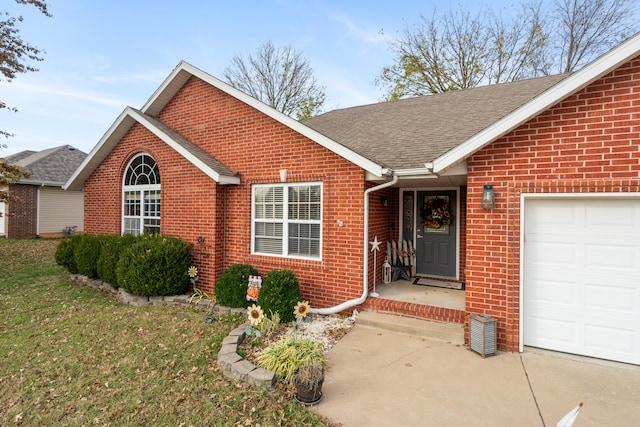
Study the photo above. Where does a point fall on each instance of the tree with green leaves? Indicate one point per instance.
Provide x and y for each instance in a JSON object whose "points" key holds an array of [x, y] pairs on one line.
{"points": [[456, 50], [280, 77], [16, 57]]}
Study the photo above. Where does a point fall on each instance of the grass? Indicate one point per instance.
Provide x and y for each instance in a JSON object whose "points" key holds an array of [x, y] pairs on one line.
{"points": [[73, 356]]}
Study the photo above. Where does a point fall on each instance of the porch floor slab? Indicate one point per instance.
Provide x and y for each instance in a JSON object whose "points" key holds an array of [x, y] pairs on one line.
{"points": [[406, 291]]}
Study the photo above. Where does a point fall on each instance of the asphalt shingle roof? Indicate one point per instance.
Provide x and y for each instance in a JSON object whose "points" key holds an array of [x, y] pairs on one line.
{"points": [[406, 133], [52, 166]]}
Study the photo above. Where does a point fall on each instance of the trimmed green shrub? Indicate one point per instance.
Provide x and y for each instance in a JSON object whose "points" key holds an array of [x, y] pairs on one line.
{"points": [[155, 265], [111, 248], [65, 253], [280, 293], [231, 288], [86, 252]]}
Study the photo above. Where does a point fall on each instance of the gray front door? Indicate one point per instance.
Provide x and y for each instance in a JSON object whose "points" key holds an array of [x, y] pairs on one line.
{"points": [[436, 250]]}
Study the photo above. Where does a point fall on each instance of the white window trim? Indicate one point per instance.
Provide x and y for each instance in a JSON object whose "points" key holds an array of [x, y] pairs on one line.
{"points": [[285, 221], [142, 189]]}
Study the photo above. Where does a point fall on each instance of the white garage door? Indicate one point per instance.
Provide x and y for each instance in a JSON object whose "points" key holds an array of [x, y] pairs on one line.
{"points": [[581, 289]]}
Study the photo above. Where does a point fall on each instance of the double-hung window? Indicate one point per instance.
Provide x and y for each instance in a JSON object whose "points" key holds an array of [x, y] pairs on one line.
{"points": [[141, 197], [287, 219]]}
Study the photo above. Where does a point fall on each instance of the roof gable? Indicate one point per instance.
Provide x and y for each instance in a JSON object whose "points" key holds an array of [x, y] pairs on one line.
{"points": [[603, 65], [203, 161], [163, 95]]}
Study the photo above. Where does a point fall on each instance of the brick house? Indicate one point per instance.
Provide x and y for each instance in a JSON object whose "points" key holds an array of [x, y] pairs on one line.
{"points": [[554, 257], [40, 207]]}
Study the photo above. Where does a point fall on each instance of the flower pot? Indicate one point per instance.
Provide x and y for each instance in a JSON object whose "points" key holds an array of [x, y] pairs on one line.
{"points": [[309, 385]]}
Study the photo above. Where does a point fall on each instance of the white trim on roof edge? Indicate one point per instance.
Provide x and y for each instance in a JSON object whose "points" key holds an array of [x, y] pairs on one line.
{"points": [[221, 179], [118, 129], [576, 81], [157, 101]]}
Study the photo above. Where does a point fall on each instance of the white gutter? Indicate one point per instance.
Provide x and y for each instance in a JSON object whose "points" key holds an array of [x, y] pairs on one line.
{"points": [[365, 279]]}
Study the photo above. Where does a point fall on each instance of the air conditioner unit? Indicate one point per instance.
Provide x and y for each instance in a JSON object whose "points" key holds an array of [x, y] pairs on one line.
{"points": [[483, 334]]}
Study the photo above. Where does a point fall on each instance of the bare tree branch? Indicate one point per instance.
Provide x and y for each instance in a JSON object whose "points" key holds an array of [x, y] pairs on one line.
{"points": [[279, 77], [588, 28]]}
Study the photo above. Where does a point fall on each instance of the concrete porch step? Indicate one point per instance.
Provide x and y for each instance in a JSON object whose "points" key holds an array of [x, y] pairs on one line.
{"points": [[448, 332]]}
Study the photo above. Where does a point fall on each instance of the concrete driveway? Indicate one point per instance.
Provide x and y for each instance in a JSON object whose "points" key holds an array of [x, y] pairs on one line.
{"points": [[390, 371]]}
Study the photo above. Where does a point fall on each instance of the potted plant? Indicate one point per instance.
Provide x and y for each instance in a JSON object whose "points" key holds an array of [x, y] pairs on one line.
{"points": [[308, 381]]}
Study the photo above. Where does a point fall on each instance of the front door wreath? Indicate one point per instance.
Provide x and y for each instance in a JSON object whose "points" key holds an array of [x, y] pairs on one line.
{"points": [[436, 213]]}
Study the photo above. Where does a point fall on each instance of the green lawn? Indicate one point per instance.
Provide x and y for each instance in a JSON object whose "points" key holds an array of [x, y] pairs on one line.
{"points": [[71, 355]]}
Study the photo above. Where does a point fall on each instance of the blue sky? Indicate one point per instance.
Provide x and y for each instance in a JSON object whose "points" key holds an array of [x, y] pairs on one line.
{"points": [[102, 56]]}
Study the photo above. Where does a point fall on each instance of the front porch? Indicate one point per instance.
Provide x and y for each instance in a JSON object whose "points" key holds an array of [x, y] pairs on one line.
{"points": [[403, 298]]}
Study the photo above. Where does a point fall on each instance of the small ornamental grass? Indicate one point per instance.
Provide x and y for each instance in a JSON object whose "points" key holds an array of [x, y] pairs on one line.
{"points": [[289, 354]]}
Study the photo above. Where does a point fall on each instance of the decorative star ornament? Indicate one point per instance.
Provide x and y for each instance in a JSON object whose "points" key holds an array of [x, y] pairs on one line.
{"points": [[375, 245]]}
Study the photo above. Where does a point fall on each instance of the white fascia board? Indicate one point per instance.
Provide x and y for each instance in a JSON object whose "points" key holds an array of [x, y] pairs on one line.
{"points": [[317, 137], [100, 151], [221, 179], [596, 69]]}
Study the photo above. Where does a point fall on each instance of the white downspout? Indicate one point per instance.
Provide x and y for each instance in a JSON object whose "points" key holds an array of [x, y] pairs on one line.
{"points": [[365, 279]]}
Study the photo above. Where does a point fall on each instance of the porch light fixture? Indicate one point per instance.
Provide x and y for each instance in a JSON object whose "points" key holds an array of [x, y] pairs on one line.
{"points": [[488, 197]]}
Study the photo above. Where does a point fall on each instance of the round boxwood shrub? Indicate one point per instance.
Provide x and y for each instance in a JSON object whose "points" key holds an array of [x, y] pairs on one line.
{"points": [[280, 293], [155, 265], [111, 248], [231, 288], [87, 251], [65, 253]]}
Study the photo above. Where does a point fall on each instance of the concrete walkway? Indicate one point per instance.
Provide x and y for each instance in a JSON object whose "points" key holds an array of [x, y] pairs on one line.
{"points": [[381, 376]]}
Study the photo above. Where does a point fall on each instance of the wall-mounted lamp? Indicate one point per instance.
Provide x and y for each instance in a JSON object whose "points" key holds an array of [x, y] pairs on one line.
{"points": [[283, 175], [488, 197], [384, 201]]}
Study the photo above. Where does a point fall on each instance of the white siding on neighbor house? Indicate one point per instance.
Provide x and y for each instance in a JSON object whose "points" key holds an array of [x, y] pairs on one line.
{"points": [[582, 276], [3, 217], [58, 209]]}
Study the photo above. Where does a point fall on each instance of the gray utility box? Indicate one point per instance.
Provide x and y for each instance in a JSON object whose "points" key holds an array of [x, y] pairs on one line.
{"points": [[483, 334]]}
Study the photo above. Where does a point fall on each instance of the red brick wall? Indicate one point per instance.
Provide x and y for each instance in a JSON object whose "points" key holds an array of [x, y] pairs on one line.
{"points": [[193, 205], [22, 212], [587, 143]]}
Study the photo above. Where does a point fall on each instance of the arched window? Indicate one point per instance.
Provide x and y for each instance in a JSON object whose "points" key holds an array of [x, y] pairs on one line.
{"points": [[141, 196]]}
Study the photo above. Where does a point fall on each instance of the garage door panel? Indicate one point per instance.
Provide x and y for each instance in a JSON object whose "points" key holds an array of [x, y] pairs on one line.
{"points": [[625, 215], [553, 332], [612, 298], [608, 256], [602, 340], [554, 292], [554, 253], [581, 276]]}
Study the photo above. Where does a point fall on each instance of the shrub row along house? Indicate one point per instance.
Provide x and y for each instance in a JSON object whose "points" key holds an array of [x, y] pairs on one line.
{"points": [[553, 253]]}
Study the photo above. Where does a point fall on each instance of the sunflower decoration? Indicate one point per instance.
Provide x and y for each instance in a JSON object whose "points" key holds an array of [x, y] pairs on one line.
{"points": [[193, 274], [255, 314], [301, 310], [436, 213]]}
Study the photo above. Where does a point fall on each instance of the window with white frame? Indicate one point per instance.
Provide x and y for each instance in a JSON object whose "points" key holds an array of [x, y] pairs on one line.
{"points": [[141, 196], [286, 220]]}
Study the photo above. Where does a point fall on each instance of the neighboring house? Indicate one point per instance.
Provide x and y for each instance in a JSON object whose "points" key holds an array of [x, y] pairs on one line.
{"points": [[42, 208], [556, 261]]}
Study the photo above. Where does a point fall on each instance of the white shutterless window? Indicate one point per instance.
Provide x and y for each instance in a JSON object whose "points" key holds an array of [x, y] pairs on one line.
{"points": [[141, 196], [286, 220]]}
